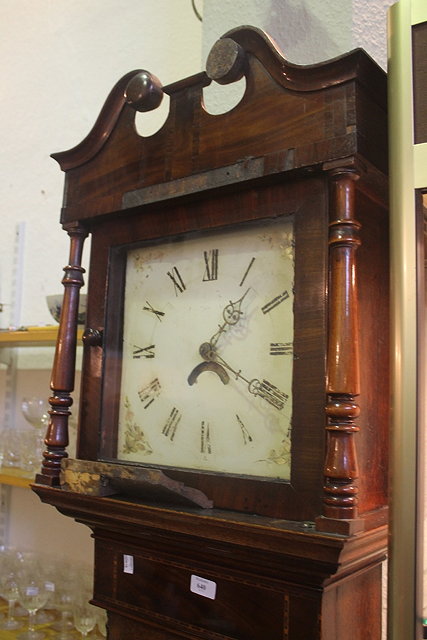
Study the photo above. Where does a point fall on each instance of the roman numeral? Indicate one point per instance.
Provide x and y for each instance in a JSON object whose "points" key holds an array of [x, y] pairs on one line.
{"points": [[245, 433], [272, 394], [149, 393], [281, 348], [171, 425], [150, 308], [143, 352], [211, 265], [268, 392], [246, 272], [205, 438], [178, 282], [273, 303]]}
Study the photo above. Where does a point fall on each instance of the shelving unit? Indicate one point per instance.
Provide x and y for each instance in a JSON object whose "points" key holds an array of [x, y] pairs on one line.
{"points": [[24, 521], [15, 477], [26, 337], [31, 337]]}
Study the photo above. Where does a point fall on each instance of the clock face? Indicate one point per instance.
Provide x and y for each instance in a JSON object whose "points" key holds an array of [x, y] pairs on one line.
{"points": [[206, 378]]}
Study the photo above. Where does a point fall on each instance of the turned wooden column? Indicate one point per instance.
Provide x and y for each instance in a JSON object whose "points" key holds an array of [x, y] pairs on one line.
{"points": [[343, 386], [63, 373]]}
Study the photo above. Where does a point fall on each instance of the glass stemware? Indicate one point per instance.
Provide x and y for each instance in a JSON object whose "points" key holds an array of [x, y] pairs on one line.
{"points": [[9, 591], [67, 584], [9, 587], [85, 616], [34, 592], [35, 411]]}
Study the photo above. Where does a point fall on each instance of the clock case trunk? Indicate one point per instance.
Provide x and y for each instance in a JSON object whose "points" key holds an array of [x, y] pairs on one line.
{"points": [[307, 141]]}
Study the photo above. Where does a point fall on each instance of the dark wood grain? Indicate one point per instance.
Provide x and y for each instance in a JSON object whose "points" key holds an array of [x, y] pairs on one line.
{"points": [[343, 375], [311, 584], [63, 373]]}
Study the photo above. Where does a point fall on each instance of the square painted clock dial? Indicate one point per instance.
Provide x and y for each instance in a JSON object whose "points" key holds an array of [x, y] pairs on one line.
{"points": [[206, 377]]}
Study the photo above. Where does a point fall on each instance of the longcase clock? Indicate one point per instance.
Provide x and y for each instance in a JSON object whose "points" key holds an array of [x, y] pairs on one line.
{"points": [[233, 428]]}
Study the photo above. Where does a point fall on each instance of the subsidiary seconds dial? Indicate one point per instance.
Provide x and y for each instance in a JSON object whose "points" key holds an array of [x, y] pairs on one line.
{"points": [[207, 352]]}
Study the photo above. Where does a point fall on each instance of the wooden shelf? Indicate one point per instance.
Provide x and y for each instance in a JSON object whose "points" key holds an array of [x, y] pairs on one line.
{"points": [[26, 337], [31, 337], [15, 477]]}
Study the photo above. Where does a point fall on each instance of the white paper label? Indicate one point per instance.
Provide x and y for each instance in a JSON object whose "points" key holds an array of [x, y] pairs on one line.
{"points": [[203, 587], [127, 564]]}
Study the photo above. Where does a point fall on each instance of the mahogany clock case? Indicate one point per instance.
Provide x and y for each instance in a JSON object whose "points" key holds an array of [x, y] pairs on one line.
{"points": [[290, 559], [304, 141]]}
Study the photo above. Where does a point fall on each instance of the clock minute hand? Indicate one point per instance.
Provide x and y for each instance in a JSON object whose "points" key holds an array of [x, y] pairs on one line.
{"points": [[264, 389], [231, 314]]}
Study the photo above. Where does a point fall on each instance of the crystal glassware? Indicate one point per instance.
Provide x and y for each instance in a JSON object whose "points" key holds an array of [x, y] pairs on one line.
{"points": [[34, 593], [35, 411], [85, 616], [9, 563]]}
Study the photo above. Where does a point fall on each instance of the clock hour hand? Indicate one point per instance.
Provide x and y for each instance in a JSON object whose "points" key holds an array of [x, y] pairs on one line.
{"points": [[208, 366], [264, 389], [231, 314]]}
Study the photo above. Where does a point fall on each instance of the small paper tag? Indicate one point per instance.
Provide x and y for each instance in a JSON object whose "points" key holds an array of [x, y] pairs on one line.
{"points": [[127, 564], [203, 587]]}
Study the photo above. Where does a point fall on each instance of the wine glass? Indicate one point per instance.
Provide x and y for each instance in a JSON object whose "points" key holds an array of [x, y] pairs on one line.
{"points": [[35, 411], [9, 586], [85, 616], [67, 582], [34, 593]]}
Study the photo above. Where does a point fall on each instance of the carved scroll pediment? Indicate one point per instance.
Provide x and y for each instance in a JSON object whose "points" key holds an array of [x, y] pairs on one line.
{"points": [[310, 120]]}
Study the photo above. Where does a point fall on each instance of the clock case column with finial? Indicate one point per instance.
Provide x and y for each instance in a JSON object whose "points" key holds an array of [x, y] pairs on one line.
{"points": [[181, 553]]}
